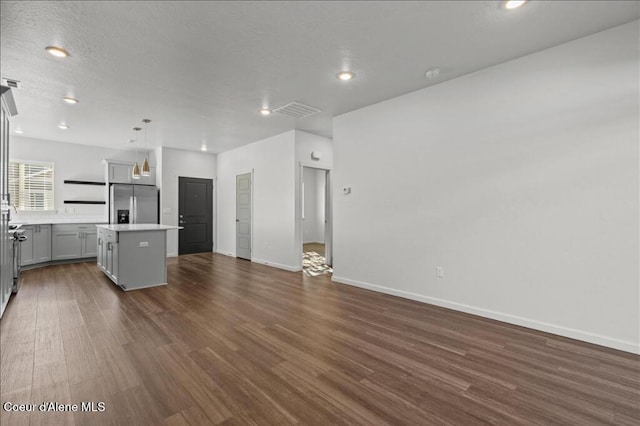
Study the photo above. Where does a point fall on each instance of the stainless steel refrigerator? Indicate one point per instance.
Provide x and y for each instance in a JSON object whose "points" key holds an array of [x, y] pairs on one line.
{"points": [[133, 204]]}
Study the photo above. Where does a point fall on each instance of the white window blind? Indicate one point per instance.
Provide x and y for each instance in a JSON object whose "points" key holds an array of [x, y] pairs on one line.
{"points": [[31, 185]]}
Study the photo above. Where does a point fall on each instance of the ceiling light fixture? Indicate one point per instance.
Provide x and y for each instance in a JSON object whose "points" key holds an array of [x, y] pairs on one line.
{"points": [[203, 147], [345, 75], [70, 100], [265, 111], [63, 126], [145, 163], [513, 4], [135, 172], [432, 73], [56, 51], [19, 131]]}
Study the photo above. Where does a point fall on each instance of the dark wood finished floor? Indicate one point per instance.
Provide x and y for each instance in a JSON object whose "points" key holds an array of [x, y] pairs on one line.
{"points": [[232, 342]]}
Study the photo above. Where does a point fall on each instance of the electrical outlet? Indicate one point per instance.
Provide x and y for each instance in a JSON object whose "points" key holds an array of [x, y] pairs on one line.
{"points": [[144, 244], [439, 271]]}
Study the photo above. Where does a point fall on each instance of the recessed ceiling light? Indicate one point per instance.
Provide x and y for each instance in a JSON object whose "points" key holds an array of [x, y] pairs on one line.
{"points": [[513, 4], [203, 148], [345, 75], [432, 73], [265, 111], [70, 100], [58, 52], [63, 126], [19, 131]]}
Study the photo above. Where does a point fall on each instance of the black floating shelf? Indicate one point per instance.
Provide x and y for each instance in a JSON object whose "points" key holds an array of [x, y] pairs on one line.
{"points": [[84, 182], [83, 202]]}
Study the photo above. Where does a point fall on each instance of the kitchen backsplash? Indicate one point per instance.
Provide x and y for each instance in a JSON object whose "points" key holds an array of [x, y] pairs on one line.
{"points": [[56, 217]]}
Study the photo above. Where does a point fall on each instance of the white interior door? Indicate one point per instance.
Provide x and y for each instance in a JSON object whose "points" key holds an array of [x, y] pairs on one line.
{"points": [[243, 216]]}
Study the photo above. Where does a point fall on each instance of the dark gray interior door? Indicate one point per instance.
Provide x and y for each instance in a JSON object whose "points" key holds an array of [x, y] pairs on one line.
{"points": [[195, 214]]}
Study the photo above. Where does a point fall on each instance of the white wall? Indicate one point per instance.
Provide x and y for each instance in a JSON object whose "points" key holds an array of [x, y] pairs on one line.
{"points": [[320, 205], [305, 144], [272, 162], [72, 162], [178, 163], [313, 221], [521, 180]]}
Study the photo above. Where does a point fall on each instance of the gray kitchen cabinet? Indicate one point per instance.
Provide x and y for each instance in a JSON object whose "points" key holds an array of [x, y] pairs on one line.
{"points": [[100, 252], [75, 241], [66, 242], [37, 247], [90, 242], [107, 258], [121, 173], [147, 180]]}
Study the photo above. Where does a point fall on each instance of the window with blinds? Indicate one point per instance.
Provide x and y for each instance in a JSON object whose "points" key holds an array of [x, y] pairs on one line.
{"points": [[31, 185]]}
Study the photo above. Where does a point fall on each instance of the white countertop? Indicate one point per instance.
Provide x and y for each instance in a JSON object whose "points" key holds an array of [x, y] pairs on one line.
{"points": [[55, 221], [138, 227]]}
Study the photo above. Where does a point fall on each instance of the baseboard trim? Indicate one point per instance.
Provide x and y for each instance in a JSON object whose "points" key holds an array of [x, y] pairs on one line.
{"points": [[57, 262], [277, 265], [508, 318]]}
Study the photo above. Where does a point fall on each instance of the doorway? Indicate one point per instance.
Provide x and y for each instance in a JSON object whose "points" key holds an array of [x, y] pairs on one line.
{"points": [[316, 221], [243, 216], [195, 215]]}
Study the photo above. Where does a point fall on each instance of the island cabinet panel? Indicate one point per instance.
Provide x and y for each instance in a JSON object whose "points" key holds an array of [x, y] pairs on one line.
{"points": [[133, 256], [107, 253], [143, 261]]}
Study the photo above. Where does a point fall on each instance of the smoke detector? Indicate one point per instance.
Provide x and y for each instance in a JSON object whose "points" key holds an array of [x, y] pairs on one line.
{"points": [[432, 73]]}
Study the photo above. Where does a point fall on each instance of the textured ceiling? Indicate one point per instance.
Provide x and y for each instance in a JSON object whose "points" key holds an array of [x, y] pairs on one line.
{"points": [[202, 70]]}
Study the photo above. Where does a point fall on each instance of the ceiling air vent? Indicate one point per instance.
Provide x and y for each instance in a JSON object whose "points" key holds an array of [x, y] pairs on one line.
{"points": [[297, 110], [11, 83]]}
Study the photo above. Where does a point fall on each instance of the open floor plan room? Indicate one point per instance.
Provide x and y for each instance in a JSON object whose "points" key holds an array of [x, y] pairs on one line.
{"points": [[320, 212], [233, 342]]}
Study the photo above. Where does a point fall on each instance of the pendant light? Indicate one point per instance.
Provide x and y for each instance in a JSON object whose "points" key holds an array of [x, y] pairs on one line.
{"points": [[135, 172], [145, 163]]}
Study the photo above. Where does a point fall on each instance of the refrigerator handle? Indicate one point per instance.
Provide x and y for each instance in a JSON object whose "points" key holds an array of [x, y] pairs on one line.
{"points": [[135, 209], [131, 211]]}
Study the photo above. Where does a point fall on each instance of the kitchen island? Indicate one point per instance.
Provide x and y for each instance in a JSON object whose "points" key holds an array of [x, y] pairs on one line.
{"points": [[134, 256]]}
